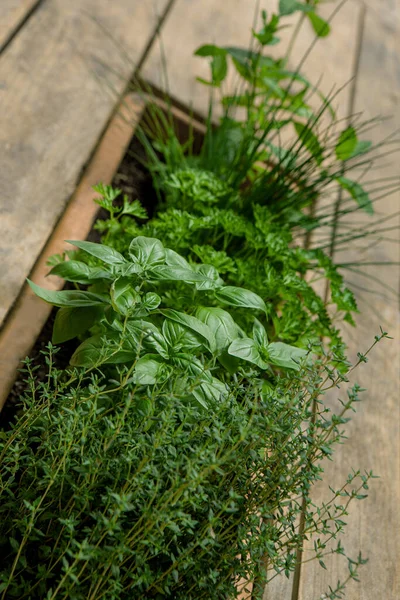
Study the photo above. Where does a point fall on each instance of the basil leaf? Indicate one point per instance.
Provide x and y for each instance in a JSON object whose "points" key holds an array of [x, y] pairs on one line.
{"points": [[247, 349], [147, 370], [146, 251], [221, 324], [211, 279], [89, 353], [180, 338], [68, 298], [151, 301], [123, 296], [173, 259], [189, 364], [236, 296], [79, 272], [146, 334], [71, 321], [104, 253], [259, 334], [284, 355], [192, 323], [209, 391], [167, 273]]}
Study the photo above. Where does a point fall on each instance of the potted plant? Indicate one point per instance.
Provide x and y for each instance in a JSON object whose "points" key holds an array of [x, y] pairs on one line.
{"points": [[176, 456]]}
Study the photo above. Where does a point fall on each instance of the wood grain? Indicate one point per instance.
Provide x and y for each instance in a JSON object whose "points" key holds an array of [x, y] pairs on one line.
{"points": [[12, 13], [59, 81], [374, 435]]}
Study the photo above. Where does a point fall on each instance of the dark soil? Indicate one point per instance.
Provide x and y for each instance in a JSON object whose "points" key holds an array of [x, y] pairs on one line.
{"points": [[135, 181]]}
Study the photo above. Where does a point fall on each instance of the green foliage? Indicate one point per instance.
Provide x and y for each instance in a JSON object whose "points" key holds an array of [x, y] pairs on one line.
{"points": [[121, 487]]}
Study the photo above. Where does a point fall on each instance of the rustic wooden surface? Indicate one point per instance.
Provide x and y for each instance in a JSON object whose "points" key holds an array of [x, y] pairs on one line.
{"points": [[59, 79], [12, 14], [374, 435]]}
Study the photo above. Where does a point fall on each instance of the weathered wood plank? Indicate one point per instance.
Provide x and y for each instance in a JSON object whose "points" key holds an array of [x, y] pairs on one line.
{"points": [[55, 100], [374, 435], [12, 13]]}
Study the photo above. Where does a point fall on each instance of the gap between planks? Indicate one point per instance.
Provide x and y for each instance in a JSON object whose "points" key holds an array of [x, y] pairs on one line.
{"points": [[13, 16]]}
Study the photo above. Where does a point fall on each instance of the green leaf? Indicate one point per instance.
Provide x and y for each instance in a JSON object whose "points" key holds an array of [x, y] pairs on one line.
{"points": [[288, 7], [321, 27], [209, 391], [68, 298], [147, 370], [123, 296], [121, 357], [221, 324], [283, 355], [189, 364], [219, 65], [309, 140], [97, 349], [266, 36], [236, 296], [104, 253], [173, 259], [247, 349], [180, 338], [358, 193], [361, 148], [89, 353], [135, 209], [230, 363], [192, 323], [79, 272], [146, 334], [151, 301], [346, 144], [167, 273], [211, 281], [209, 50], [70, 322], [259, 334], [146, 251], [219, 69]]}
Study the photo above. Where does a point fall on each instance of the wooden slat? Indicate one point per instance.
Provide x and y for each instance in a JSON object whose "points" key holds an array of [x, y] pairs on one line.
{"points": [[12, 14], [374, 435], [55, 100]]}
